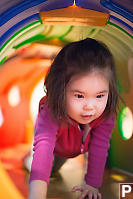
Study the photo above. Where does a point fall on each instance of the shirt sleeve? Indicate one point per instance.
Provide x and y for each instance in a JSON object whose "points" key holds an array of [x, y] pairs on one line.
{"points": [[98, 152], [44, 143]]}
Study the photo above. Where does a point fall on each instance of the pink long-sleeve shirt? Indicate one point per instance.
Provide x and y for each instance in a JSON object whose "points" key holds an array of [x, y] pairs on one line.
{"points": [[66, 141]]}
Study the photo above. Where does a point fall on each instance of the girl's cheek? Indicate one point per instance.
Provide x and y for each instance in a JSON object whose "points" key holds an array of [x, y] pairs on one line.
{"points": [[76, 104], [102, 106]]}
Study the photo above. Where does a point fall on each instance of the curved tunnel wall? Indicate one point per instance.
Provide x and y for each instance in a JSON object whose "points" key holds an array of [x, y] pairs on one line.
{"points": [[21, 24]]}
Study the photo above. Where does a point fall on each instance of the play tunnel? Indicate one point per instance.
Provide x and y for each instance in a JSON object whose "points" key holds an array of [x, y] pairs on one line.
{"points": [[32, 32]]}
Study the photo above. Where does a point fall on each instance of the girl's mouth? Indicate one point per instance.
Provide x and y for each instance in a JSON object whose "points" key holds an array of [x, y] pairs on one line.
{"points": [[86, 117]]}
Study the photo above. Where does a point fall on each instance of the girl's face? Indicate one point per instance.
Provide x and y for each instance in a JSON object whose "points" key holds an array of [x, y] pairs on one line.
{"points": [[86, 97]]}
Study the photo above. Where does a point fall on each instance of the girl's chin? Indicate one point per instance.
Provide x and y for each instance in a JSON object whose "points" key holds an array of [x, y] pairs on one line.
{"points": [[84, 121], [87, 119]]}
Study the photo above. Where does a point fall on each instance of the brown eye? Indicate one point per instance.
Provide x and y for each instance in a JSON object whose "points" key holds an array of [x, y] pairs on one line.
{"points": [[100, 96], [79, 96]]}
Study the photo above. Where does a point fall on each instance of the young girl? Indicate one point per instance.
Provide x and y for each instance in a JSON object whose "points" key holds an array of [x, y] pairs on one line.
{"points": [[76, 116]]}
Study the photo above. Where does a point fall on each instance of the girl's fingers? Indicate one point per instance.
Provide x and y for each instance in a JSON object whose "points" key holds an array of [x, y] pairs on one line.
{"points": [[76, 188], [100, 196], [95, 196], [90, 195], [83, 194]]}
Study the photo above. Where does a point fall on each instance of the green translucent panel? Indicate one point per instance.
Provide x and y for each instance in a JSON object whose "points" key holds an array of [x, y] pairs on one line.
{"points": [[126, 123], [30, 40], [55, 31], [2, 61], [17, 40]]}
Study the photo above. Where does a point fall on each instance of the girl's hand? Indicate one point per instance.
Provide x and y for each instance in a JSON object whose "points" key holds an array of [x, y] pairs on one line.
{"points": [[89, 191]]}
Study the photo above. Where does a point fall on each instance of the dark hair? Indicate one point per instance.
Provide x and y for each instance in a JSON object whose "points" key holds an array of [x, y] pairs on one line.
{"points": [[75, 58]]}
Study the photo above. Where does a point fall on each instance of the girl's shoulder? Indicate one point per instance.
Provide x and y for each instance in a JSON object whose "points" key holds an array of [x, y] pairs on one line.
{"points": [[103, 120]]}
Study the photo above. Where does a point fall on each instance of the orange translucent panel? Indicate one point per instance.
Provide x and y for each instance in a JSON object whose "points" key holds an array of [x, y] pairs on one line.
{"points": [[24, 74], [74, 15]]}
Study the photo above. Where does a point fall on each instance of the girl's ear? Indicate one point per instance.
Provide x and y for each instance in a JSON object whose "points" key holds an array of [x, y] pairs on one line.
{"points": [[42, 101]]}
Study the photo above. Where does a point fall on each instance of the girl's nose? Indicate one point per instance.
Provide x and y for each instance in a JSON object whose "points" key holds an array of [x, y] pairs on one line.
{"points": [[88, 106]]}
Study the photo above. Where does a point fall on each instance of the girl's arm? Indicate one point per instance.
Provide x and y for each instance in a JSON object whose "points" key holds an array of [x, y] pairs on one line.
{"points": [[44, 143], [38, 189], [98, 152], [96, 160]]}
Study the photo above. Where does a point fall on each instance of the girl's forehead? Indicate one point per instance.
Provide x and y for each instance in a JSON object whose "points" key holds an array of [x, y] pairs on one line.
{"points": [[95, 82], [100, 75]]}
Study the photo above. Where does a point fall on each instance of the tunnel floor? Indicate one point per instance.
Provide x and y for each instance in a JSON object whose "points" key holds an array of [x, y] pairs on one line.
{"points": [[70, 175]]}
